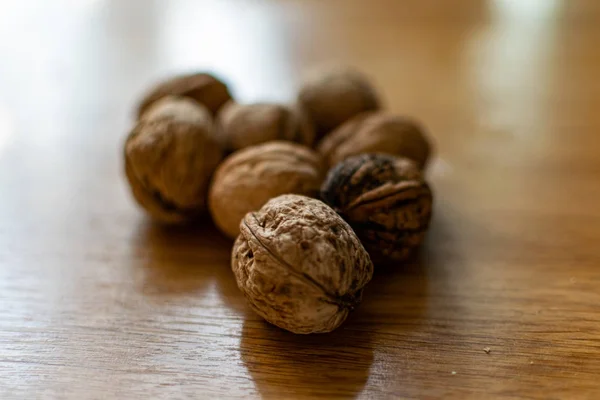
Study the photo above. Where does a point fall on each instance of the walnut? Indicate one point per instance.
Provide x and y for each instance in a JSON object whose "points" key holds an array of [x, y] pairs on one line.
{"points": [[299, 265], [248, 178], [169, 158], [376, 132], [243, 125], [386, 201], [331, 97], [201, 87]]}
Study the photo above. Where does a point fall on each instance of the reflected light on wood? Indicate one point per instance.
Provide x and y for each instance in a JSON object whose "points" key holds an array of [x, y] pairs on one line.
{"points": [[7, 129], [97, 302]]}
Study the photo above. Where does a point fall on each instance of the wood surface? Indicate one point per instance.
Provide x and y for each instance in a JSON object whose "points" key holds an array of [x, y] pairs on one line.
{"points": [[503, 301]]}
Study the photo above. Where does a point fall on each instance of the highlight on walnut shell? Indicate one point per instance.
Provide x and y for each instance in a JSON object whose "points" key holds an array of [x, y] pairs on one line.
{"points": [[248, 178], [377, 132], [386, 201], [332, 96], [170, 156], [201, 87], [300, 266]]}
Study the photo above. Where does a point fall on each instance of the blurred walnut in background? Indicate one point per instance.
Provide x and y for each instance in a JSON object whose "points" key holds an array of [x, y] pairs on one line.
{"points": [[201, 87], [170, 156], [332, 96], [248, 178], [376, 132], [243, 125]]}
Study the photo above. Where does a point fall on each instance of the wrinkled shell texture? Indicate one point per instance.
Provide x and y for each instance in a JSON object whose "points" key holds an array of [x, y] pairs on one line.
{"points": [[333, 96], [248, 178], [244, 125], [299, 265], [201, 87], [170, 156], [376, 132], [386, 201]]}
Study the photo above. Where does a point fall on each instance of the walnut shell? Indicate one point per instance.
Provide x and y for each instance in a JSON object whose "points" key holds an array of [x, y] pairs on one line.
{"points": [[244, 125], [333, 96], [201, 87], [170, 156], [248, 178], [386, 201], [376, 132], [299, 265]]}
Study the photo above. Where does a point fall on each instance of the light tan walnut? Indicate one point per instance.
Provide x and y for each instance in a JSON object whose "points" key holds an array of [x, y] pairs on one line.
{"points": [[244, 125], [332, 96], [204, 88], [299, 265], [250, 177], [376, 132], [170, 156]]}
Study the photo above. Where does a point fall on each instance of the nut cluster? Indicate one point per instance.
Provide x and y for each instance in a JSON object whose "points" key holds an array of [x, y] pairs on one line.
{"points": [[313, 193]]}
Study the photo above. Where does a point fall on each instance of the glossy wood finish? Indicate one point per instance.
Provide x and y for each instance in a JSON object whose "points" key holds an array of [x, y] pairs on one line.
{"points": [[503, 301]]}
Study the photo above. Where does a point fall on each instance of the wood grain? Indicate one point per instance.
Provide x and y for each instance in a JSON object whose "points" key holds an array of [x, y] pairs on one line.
{"points": [[97, 303]]}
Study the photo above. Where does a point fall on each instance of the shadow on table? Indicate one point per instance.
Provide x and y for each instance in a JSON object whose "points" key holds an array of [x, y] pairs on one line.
{"points": [[397, 298], [181, 259], [338, 365], [396, 308], [402, 297], [285, 365]]}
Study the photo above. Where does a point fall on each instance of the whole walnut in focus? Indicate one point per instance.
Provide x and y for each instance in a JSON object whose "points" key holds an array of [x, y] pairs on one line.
{"points": [[299, 265], [376, 132], [244, 125], [250, 177], [170, 156], [333, 96], [201, 87], [386, 201]]}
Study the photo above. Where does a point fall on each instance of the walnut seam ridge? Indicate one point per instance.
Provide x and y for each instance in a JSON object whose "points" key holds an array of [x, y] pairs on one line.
{"points": [[330, 298]]}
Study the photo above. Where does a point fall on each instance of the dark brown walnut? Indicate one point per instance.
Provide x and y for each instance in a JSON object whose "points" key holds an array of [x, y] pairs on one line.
{"points": [[201, 87], [170, 156], [376, 132], [244, 125], [386, 201], [250, 177], [299, 265], [331, 97]]}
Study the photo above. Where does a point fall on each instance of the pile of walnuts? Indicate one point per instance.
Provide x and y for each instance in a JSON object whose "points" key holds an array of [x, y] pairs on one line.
{"points": [[313, 194]]}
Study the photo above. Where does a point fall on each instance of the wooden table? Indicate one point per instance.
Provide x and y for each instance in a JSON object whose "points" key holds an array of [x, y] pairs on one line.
{"points": [[503, 302]]}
